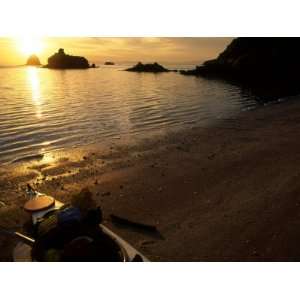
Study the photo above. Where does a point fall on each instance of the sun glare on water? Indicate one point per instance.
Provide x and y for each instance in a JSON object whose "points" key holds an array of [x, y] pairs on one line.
{"points": [[30, 45]]}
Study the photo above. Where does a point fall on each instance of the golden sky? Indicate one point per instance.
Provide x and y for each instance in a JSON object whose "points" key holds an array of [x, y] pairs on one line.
{"points": [[14, 51]]}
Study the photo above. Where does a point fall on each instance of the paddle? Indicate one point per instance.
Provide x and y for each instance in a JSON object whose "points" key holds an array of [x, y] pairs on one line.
{"points": [[24, 238]]}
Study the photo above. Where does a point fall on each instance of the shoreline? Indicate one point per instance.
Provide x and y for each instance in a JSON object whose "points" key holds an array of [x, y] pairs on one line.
{"points": [[223, 193]]}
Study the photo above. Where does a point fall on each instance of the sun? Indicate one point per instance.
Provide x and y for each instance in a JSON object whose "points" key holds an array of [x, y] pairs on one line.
{"points": [[30, 45]]}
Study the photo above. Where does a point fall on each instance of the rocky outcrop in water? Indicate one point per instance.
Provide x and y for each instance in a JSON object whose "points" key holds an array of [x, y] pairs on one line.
{"points": [[109, 63], [151, 68], [268, 65], [60, 60], [33, 60]]}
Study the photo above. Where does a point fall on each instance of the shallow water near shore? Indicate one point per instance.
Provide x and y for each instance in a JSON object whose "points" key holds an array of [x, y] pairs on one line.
{"points": [[45, 110]]}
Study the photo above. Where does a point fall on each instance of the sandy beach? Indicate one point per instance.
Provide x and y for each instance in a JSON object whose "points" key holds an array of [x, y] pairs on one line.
{"points": [[225, 193]]}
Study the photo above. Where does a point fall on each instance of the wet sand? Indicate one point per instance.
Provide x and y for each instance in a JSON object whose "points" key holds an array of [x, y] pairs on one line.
{"points": [[225, 193]]}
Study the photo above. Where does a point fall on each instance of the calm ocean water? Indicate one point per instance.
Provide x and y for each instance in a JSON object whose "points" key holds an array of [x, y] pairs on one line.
{"points": [[43, 110]]}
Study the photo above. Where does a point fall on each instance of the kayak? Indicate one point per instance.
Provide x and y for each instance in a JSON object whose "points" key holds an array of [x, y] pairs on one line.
{"points": [[22, 251], [39, 205]]}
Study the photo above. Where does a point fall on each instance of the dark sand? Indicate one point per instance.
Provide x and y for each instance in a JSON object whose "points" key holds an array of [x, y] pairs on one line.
{"points": [[226, 193]]}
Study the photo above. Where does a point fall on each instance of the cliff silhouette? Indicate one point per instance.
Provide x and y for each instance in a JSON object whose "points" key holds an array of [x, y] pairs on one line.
{"points": [[269, 66], [60, 60]]}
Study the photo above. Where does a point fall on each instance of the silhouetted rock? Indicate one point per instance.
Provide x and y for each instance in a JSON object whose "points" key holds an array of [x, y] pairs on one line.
{"points": [[109, 63], [269, 66], [60, 60], [33, 60], [154, 68]]}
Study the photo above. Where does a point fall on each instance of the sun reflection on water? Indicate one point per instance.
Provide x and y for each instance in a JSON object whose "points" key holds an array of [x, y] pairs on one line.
{"points": [[34, 83]]}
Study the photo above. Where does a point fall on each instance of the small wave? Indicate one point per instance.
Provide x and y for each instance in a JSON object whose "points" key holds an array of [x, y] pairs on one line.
{"points": [[29, 158]]}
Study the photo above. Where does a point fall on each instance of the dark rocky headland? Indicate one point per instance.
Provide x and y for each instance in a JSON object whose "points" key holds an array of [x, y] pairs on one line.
{"points": [[60, 60], [269, 66], [151, 68], [33, 60]]}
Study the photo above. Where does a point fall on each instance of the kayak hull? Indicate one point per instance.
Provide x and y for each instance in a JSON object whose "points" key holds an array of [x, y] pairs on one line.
{"points": [[22, 251]]}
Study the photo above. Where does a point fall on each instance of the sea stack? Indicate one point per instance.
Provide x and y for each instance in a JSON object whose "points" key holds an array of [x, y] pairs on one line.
{"points": [[33, 60], [150, 68], [269, 66], [61, 60]]}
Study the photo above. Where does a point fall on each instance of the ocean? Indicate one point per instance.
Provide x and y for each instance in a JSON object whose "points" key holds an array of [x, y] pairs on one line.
{"points": [[44, 110]]}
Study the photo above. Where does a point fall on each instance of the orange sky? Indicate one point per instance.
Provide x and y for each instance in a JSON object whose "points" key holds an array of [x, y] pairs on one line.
{"points": [[120, 50]]}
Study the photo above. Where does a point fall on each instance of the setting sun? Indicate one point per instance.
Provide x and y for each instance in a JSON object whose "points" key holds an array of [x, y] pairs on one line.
{"points": [[30, 45]]}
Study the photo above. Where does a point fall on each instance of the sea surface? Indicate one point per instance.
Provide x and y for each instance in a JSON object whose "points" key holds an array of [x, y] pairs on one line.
{"points": [[44, 110]]}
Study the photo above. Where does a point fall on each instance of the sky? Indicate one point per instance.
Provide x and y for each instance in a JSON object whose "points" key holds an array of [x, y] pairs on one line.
{"points": [[14, 51]]}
